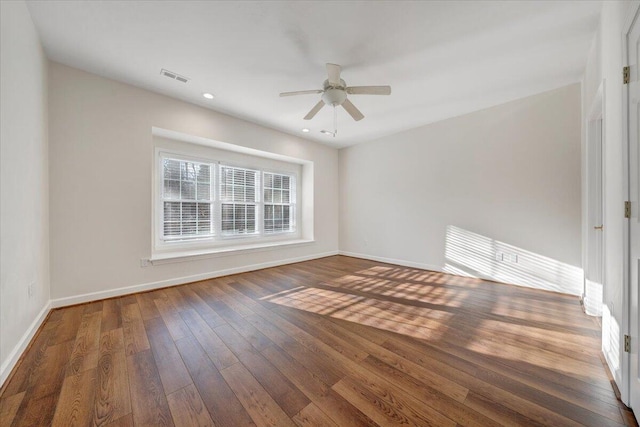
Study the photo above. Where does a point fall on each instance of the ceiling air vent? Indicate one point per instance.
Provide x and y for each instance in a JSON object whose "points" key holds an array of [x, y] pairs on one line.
{"points": [[174, 76]]}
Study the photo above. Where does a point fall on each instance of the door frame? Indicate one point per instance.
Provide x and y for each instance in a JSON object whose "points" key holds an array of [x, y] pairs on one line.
{"points": [[634, 9], [596, 113]]}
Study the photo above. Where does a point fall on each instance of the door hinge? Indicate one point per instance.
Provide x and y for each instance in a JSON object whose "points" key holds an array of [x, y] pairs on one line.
{"points": [[627, 209], [626, 74], [627, 344]]}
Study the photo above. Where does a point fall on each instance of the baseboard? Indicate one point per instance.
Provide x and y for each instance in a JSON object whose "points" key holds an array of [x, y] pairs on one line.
{"points": [[588, 305], [610, 364], [592, 306], [18, 350], [94, 296], [401, 262]]}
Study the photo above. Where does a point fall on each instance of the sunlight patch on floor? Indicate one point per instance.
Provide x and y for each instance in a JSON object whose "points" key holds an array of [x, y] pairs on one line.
{"points": [[445, 313], [409, 320]]}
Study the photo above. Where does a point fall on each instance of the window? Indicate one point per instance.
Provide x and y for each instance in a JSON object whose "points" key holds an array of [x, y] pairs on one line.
{"points": [[239, 198], [203, 202], [278, 203], [186, 199]]}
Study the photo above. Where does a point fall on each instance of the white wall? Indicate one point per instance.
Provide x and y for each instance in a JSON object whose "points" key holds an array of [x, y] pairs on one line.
{"points": [[605, 63], [449, 195], [24, 216], [100, 160]]}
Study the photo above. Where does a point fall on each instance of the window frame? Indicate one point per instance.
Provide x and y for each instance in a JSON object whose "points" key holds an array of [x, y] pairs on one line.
{"points": [[257, 202], [293, 202], [161, 196], [218, 240]]}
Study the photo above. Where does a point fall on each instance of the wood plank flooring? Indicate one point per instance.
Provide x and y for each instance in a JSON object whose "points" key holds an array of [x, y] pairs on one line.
{"points": [[337, 341]]}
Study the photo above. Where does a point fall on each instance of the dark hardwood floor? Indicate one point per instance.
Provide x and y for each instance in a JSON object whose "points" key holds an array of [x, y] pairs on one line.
{"points": [[332, 342]]}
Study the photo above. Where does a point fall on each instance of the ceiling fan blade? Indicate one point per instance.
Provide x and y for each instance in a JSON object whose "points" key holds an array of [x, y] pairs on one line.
{"points": [[369, 90], [352, 110], [314, 110], [333, 71], [301, 92]]}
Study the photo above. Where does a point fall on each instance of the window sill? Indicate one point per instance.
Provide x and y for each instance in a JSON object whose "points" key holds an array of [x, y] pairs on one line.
{"points": [[194, 255]]}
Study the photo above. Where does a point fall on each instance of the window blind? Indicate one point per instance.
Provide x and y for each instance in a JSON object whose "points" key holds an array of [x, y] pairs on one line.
{"points": [[187, 199], [279, 197], [238, 198], [202, 200]]}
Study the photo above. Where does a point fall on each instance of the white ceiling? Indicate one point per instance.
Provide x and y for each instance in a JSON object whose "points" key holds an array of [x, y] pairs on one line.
{"points": [[442, 59]]}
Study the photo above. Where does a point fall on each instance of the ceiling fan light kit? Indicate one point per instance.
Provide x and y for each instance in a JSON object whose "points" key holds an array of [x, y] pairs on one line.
{"points": [[334, 95], [335, 92]]}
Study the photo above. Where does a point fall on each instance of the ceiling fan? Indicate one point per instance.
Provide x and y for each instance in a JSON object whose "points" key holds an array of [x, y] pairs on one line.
{"points": [[335, 92]]}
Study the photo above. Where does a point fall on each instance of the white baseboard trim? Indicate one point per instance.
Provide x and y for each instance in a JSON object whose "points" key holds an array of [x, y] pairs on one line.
{"points": [[611, 364], [18, 350], [393, 261], [589, 304], [94, 296], [592, 298]]}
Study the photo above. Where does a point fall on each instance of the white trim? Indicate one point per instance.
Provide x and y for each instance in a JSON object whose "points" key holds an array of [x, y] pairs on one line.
{"points": [[193, 255], [610, 357], [400, 262], [22, 345], [625, 363], [217, 239], [94, 296], [631, 16], [179, 136]]}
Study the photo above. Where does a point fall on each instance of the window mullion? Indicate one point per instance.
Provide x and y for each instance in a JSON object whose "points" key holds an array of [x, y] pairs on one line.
{"points": [[218, 202], [260, 207]]}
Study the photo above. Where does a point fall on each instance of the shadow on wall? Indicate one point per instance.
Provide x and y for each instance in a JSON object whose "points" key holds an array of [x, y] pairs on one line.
{"points": [[474, 255]]}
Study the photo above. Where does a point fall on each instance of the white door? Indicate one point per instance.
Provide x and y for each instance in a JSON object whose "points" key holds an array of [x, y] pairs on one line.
{"points": [[633, 96], [595, 239]]}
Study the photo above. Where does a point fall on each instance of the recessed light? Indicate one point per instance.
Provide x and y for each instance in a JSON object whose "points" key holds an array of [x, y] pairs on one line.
{"points": [[305, 130], [208, 95]]}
